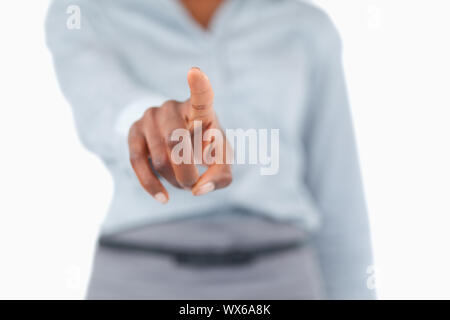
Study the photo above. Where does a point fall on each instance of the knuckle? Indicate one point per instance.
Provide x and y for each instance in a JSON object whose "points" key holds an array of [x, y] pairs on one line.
{"points": [[171, 143], [228, 181], [200, 107], [176, 135], [169, 104], [160, 163], [147, 184], [135, 157], [149, 114], [134, 129], [187, 183], [171, 109], [227, 178]]}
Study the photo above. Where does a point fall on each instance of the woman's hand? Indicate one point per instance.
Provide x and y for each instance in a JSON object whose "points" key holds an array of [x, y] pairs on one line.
{"points": [[151, 137]]}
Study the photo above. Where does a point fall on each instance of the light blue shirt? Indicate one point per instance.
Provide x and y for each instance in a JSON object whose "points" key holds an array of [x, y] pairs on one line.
{"points": [[273, 64]]}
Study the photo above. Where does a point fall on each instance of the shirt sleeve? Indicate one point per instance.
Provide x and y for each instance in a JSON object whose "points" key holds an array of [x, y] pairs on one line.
{"points": [[105, 97], [333, 175]]}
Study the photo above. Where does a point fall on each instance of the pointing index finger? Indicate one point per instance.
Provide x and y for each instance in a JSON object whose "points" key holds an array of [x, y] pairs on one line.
{"points": [[202, 96]]}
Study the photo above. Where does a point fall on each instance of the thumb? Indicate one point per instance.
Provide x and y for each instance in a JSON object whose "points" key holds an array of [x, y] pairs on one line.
{"points": [[202, 96]]}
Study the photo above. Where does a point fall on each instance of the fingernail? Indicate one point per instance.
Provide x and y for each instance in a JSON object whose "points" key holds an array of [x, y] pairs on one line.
{"points": [[161, 197], [204, 189]]}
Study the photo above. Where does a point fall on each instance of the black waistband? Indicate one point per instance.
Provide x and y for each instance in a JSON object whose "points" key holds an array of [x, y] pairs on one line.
{"points": [[202, 257]]}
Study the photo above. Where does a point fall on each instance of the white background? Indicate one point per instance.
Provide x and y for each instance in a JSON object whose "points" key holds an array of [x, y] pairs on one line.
{"points": [[54, 194]]}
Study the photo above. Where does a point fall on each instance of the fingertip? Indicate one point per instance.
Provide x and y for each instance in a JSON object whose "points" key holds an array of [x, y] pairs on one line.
{"points": [[195, 70], [188, 184], [198, 80], [203, 189], [161, 198], [186, 175]]}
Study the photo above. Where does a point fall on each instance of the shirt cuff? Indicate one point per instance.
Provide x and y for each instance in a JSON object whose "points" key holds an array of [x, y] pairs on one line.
{"points": [[134, 111]]}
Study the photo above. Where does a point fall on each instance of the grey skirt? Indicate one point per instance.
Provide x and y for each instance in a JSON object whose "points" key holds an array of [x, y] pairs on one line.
{"points": [[228, 255]]}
